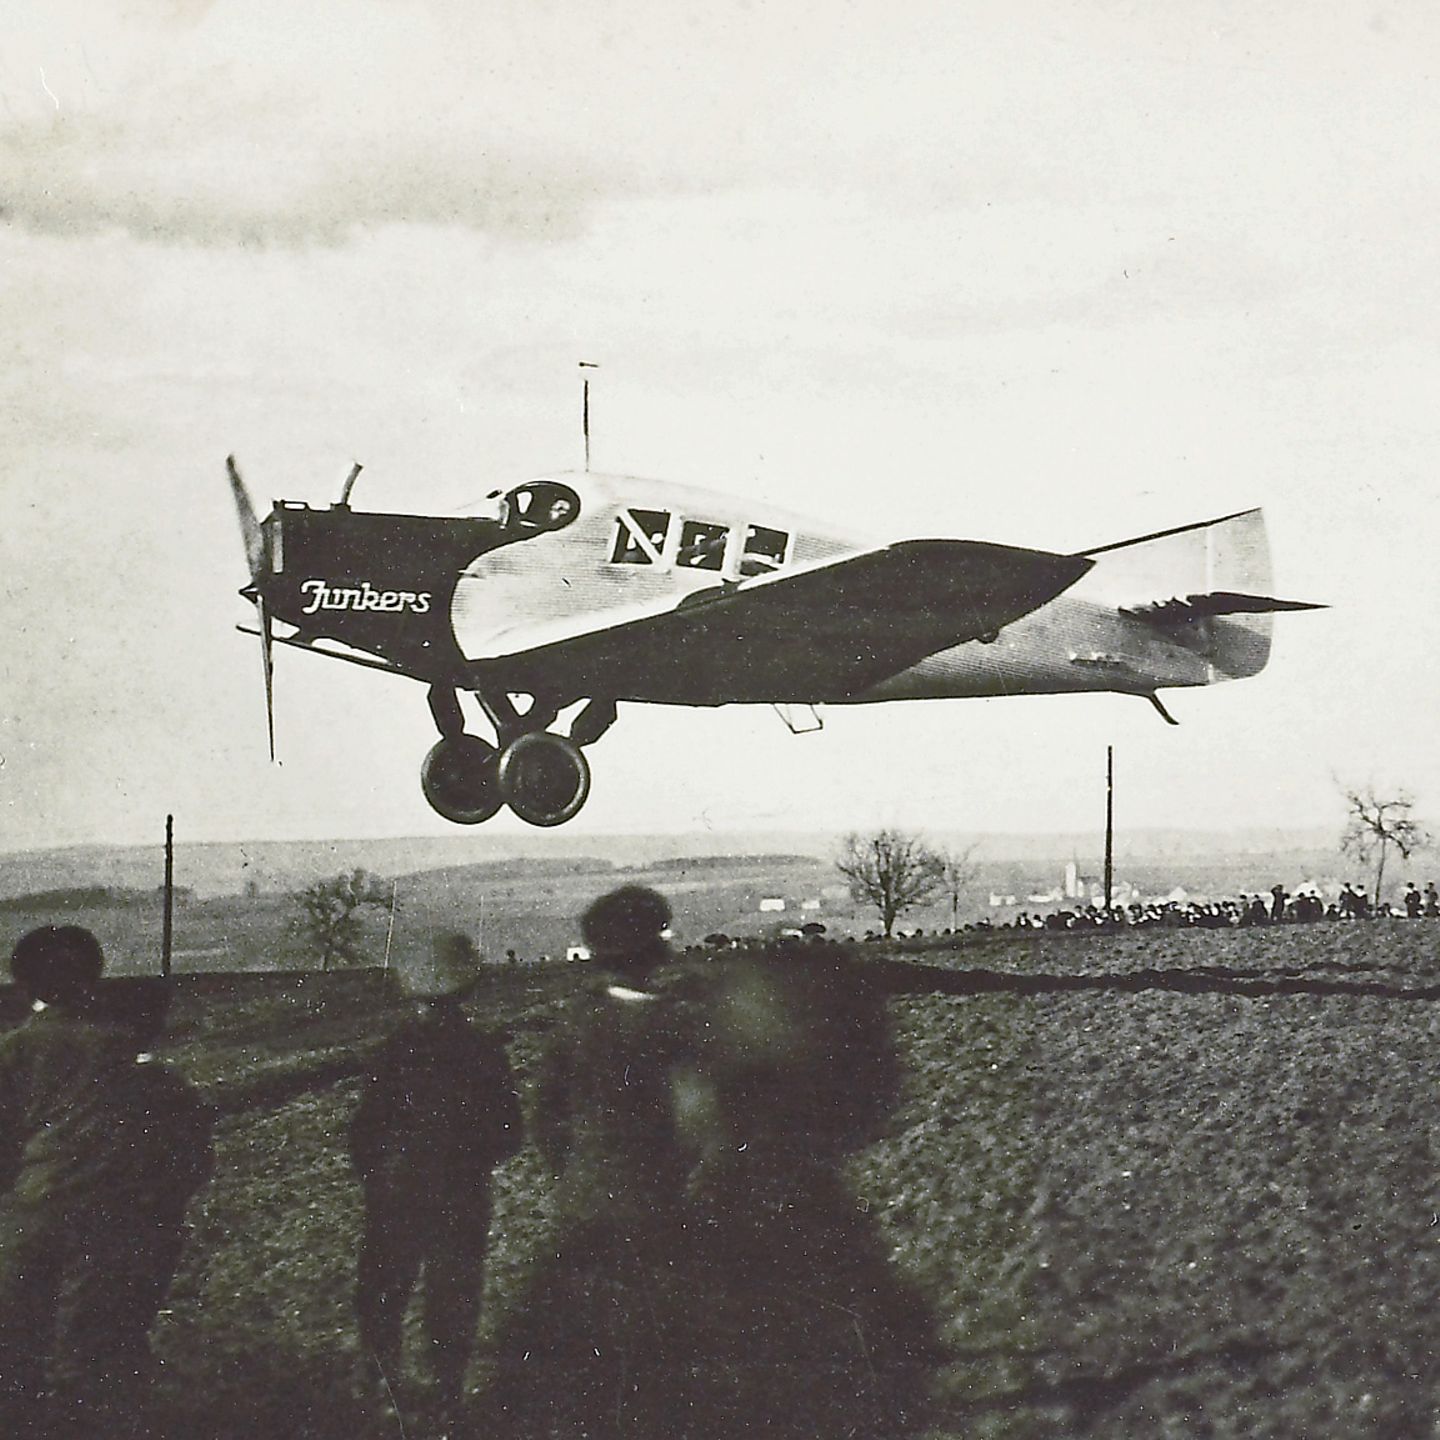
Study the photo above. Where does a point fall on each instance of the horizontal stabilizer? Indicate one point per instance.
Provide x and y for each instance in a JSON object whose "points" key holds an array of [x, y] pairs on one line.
{"points": [[1203, 587], [1178, 611]]}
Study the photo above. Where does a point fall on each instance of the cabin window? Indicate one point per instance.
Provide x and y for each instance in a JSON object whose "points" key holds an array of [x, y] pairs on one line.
{"points": [[702, 545], [539, 505], [640, 537], [765, 550]]}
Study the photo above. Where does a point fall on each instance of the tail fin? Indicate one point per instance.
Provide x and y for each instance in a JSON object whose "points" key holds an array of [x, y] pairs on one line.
{"points": [[1203, 586]]}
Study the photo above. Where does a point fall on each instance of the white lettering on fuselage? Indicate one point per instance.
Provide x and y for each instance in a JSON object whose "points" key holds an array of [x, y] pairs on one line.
{"points": [[324, 596]]}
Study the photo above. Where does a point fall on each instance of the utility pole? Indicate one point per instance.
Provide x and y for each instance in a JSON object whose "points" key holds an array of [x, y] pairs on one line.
{"points": [[390, 931], [1109, 829], [167, 932]]}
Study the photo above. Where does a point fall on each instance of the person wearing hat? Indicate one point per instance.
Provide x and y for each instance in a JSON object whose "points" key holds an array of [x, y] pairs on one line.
{"points": [[438, 1111], [55, 1070], [596, 1345], [604, 1096]]}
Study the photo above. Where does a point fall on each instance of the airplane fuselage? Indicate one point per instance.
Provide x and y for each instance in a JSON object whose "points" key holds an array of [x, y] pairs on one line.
{"points": [[459, 599], [601, 588]]}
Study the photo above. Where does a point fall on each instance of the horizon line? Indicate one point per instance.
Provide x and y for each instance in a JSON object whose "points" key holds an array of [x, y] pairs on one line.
{"points": [[550, 838]]}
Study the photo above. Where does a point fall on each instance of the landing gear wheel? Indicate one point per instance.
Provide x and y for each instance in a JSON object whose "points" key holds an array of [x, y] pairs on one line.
{"points": [[460, 781], [544, 778]]}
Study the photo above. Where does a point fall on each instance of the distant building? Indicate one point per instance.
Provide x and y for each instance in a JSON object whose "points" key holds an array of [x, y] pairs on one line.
{"points": [[772, 905], [810, 904]]}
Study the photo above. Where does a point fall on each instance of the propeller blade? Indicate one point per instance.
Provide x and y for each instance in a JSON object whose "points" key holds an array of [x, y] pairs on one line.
{"points": [[267, 655], [250, 531]]}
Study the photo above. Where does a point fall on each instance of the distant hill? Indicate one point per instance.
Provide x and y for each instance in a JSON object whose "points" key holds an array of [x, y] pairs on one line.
{"points": [[683, 864], [228, 868], [82, 897]]}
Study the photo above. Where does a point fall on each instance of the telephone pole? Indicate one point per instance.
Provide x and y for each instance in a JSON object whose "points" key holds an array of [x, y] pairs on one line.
{"points": [[1109, 829], [167, 932]]}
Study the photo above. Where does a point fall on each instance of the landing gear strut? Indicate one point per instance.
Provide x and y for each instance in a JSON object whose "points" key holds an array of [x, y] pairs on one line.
{"points": [[543, 777]]}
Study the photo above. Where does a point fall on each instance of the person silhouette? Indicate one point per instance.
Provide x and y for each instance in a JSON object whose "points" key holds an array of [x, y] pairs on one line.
{"points": [[437, 1112]]}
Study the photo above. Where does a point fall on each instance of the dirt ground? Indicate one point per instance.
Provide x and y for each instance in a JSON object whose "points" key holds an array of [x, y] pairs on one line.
{"points": [[1151, 1184]]}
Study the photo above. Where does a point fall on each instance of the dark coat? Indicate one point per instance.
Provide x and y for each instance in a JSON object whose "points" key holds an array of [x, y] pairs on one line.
{"points": [[54, 1102], [439, 1108]]}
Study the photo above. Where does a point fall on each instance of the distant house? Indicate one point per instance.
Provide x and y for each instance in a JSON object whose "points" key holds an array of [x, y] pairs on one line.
{"points": [[810, 904], [772, 905], [577, 952]]}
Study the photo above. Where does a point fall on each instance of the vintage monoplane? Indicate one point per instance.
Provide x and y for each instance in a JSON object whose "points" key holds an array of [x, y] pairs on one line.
{"points": [[583, 590]]}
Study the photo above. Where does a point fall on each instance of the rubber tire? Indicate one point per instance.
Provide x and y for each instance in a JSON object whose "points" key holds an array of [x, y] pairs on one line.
{"points": [[459, 779], [534, 772]]}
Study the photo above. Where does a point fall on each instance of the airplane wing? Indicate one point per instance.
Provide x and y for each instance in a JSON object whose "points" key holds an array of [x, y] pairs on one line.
{"points": [[818, 634]]}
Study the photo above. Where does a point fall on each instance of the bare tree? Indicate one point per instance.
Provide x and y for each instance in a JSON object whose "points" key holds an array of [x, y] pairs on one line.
{"points": [[957, 870], [1374, 823], [892, 870], [329, 919]]}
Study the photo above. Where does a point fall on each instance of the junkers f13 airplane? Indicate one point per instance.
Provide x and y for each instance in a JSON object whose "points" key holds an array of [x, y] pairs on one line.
{"points": [[586, 589]]}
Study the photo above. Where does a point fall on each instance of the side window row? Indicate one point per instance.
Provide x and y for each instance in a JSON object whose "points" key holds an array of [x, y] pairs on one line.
{"points": [[640, 537]]}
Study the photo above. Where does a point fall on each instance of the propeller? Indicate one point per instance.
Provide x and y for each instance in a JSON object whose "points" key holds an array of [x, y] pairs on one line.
{"points": [[257, 557]]}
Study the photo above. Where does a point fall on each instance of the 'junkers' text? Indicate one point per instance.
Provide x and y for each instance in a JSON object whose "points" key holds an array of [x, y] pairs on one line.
{"points": [[324, 596]]}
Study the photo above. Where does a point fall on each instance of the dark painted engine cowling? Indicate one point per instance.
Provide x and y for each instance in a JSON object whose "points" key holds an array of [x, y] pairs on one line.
{"points": [[381, 583]]}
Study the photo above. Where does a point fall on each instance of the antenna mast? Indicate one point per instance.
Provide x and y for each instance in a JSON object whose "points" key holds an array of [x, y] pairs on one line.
{"points": [[585, 407]]}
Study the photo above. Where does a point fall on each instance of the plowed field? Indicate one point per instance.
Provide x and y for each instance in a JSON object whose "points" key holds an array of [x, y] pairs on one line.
{"points": [[1151, 1184]]}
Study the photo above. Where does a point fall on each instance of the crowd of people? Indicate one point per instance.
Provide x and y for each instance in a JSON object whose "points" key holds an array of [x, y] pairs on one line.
{"points": [[1277, 906], [706, 1267]]}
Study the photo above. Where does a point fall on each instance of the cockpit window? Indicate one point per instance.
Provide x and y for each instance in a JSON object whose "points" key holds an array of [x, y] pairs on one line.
{"points": [[640, 537], [702, 545], [539, 505], [764, 551]]}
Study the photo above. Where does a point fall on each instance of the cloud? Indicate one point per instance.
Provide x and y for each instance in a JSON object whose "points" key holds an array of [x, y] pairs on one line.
{"points": [[94, 174], [252, 124], [279, 122], [233, 149], [288, 122]]}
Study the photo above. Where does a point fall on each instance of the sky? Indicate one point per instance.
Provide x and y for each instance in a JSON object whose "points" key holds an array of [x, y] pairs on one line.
{"points": [[1050, 273]]}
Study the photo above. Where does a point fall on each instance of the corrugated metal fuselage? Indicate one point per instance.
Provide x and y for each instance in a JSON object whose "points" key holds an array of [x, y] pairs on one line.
{"points": [[1073, 644], [463, 601]]}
